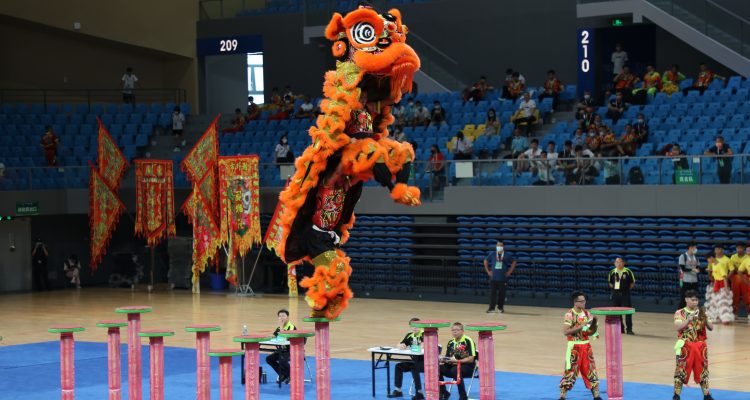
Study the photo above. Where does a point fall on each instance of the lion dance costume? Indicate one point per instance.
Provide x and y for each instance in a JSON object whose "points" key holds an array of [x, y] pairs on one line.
{"points": [[350, 145]]}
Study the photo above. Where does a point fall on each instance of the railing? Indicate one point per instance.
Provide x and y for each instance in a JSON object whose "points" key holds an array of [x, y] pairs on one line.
{"points": [[656, 170], [219, 9], [90, 96], [436, 64]]}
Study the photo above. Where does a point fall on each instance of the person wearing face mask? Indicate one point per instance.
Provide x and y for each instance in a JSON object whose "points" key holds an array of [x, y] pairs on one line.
{"points": [[689, 266], [491, 123], [499, 266], [283, 152], [586, 102], [462, 147], [724, 155], [437, 115], [641, 128], [436, 166], [593, 141]]}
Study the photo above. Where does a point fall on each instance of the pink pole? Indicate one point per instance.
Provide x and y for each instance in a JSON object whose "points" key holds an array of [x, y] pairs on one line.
{"points": [[67, 366], [134, 357], [486, 366], [225, 378], [322, 361], [297, 369], [613, 339], [252, 362], [156, 352], [113, 358], [431, 364], [203, 363]]}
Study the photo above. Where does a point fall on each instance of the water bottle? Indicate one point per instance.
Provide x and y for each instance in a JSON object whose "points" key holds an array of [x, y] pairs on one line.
{"points": [[244, 330], [414, 345]]}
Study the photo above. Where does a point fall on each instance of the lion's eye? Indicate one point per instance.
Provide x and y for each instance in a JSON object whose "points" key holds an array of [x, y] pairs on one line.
{"points": [[363, 33]]}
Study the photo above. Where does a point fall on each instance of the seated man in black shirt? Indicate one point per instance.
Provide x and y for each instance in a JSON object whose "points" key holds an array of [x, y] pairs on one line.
{"points": [[460, 348], [279, 360], [415, 366]]}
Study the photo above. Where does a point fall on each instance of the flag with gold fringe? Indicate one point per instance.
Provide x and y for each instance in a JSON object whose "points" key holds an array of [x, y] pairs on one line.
{"points": [[104, 212], [203, 155], [206, 239], [238, 207], [154, 200], [273, 233], [112, 162]]}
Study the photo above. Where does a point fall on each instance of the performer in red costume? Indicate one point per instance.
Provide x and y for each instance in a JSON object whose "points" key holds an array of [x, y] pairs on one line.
{"points": [[691, 323]]}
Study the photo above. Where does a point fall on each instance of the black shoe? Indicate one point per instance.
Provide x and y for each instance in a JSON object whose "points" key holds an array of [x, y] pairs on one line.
{"points": [[707, 397], [444, 395], [676, 397], [395, 393], [597, 398], [286, 380], [631, 333], [418, 396], [501, 310]]}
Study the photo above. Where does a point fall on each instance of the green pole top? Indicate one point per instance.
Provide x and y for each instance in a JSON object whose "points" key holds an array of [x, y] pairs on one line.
{"points": [[486, 326], [252, 338], [202, 328], [65, 329], [133, 309], [225, 353], [612, 311], [156, 333], [315, 319], [296, 334], [111, 324], [431, 323]]}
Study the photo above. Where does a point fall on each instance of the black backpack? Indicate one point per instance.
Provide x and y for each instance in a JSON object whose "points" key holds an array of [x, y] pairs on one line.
{"points": [[635, 176]]}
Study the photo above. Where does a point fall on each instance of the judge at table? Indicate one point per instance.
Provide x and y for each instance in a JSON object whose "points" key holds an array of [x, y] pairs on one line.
{"points": [[460, 348], [413, 338], [279, 360]]}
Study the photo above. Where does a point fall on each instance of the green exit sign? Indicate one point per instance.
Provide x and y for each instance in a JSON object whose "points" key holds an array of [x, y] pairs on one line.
{"points": [[617, 22], [27, 208]]}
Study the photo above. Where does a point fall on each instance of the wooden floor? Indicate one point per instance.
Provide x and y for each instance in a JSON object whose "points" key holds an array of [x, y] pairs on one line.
{"points": [[532, 344]]}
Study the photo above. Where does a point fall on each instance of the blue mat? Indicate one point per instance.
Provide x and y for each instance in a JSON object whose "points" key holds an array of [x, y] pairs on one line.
{"points": [[31, 372]]}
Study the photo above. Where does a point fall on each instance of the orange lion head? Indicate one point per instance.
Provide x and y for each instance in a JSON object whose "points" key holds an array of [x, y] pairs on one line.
{"points": [[376, 44]]}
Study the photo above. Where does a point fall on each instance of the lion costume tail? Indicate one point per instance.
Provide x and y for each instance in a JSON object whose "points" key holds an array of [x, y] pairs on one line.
{"points": [[328, 290]]}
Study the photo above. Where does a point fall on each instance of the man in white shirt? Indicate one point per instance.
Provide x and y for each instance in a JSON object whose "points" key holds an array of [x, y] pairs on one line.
{"points": [[532, 154], [421, 115], [178, 124], [526, 113], [306, 109], [552, 154], [619, 59], [128, 85]]}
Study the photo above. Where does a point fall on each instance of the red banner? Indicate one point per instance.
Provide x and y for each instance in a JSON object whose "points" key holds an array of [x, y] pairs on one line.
{"points": [[112, 162], [104, 212], [206, 239], [154, 200], [273, 233], [239, 203], [203, 155]]}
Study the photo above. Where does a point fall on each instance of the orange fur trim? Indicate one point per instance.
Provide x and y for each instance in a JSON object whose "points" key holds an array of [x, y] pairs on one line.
{"points": [[328, 288], [363, 15], [335, 26]]}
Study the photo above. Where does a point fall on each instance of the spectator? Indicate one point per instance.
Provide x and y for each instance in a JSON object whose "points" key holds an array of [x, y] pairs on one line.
{"points": [[723, 160], [398, 134], [39, 265], [552, 88], [491, 123], [679, 161], [690, 266], [625, 80], [283, 112], [178, 124], [628, 142], [421, 116], [409, 111], [519, 144], [531, 154], [499, 266], [579, 139], [288, 94], [399, 113], [543, 168], [462, 147], [651, 84], [594, 141], [516, 86], [437, 115], [436, 167], [253, 110], [598, 124], [641, 128], [619, 59], [283, 152], [238, 123], [704, 79], [621, 281], [587, 117], [508, 80], [72, 269], [566, 161], [583, 105], [552, 153], [306, 109], [611, 171], [585, 170], [616, 107], [478, 91], [671, 84], [526, 114], [609, 143], [274, 101], [129, 81], [49, 143]]}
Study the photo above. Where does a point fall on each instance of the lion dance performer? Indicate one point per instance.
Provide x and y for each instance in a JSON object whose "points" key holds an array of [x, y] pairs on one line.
{"points": [[350, 145], [579, 326], [691, 349]]}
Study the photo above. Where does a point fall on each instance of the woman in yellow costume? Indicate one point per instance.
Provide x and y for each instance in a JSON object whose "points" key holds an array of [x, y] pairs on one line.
{"points": [[350, 145]]}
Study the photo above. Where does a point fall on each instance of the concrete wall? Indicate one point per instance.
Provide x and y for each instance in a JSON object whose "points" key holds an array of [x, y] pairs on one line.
{"points": [[15, 263], [226, 83]]}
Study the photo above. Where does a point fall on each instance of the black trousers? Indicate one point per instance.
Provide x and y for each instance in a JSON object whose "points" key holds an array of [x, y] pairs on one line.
{"points": [[621, 298], [415, 367], [685, 287], [39, 273], [725, 174], [279, 361], [497, 294], [449, 371]]}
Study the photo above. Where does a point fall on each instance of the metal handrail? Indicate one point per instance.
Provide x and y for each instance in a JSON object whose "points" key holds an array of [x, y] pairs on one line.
{"points": [[88, 96], [732, 13]]}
